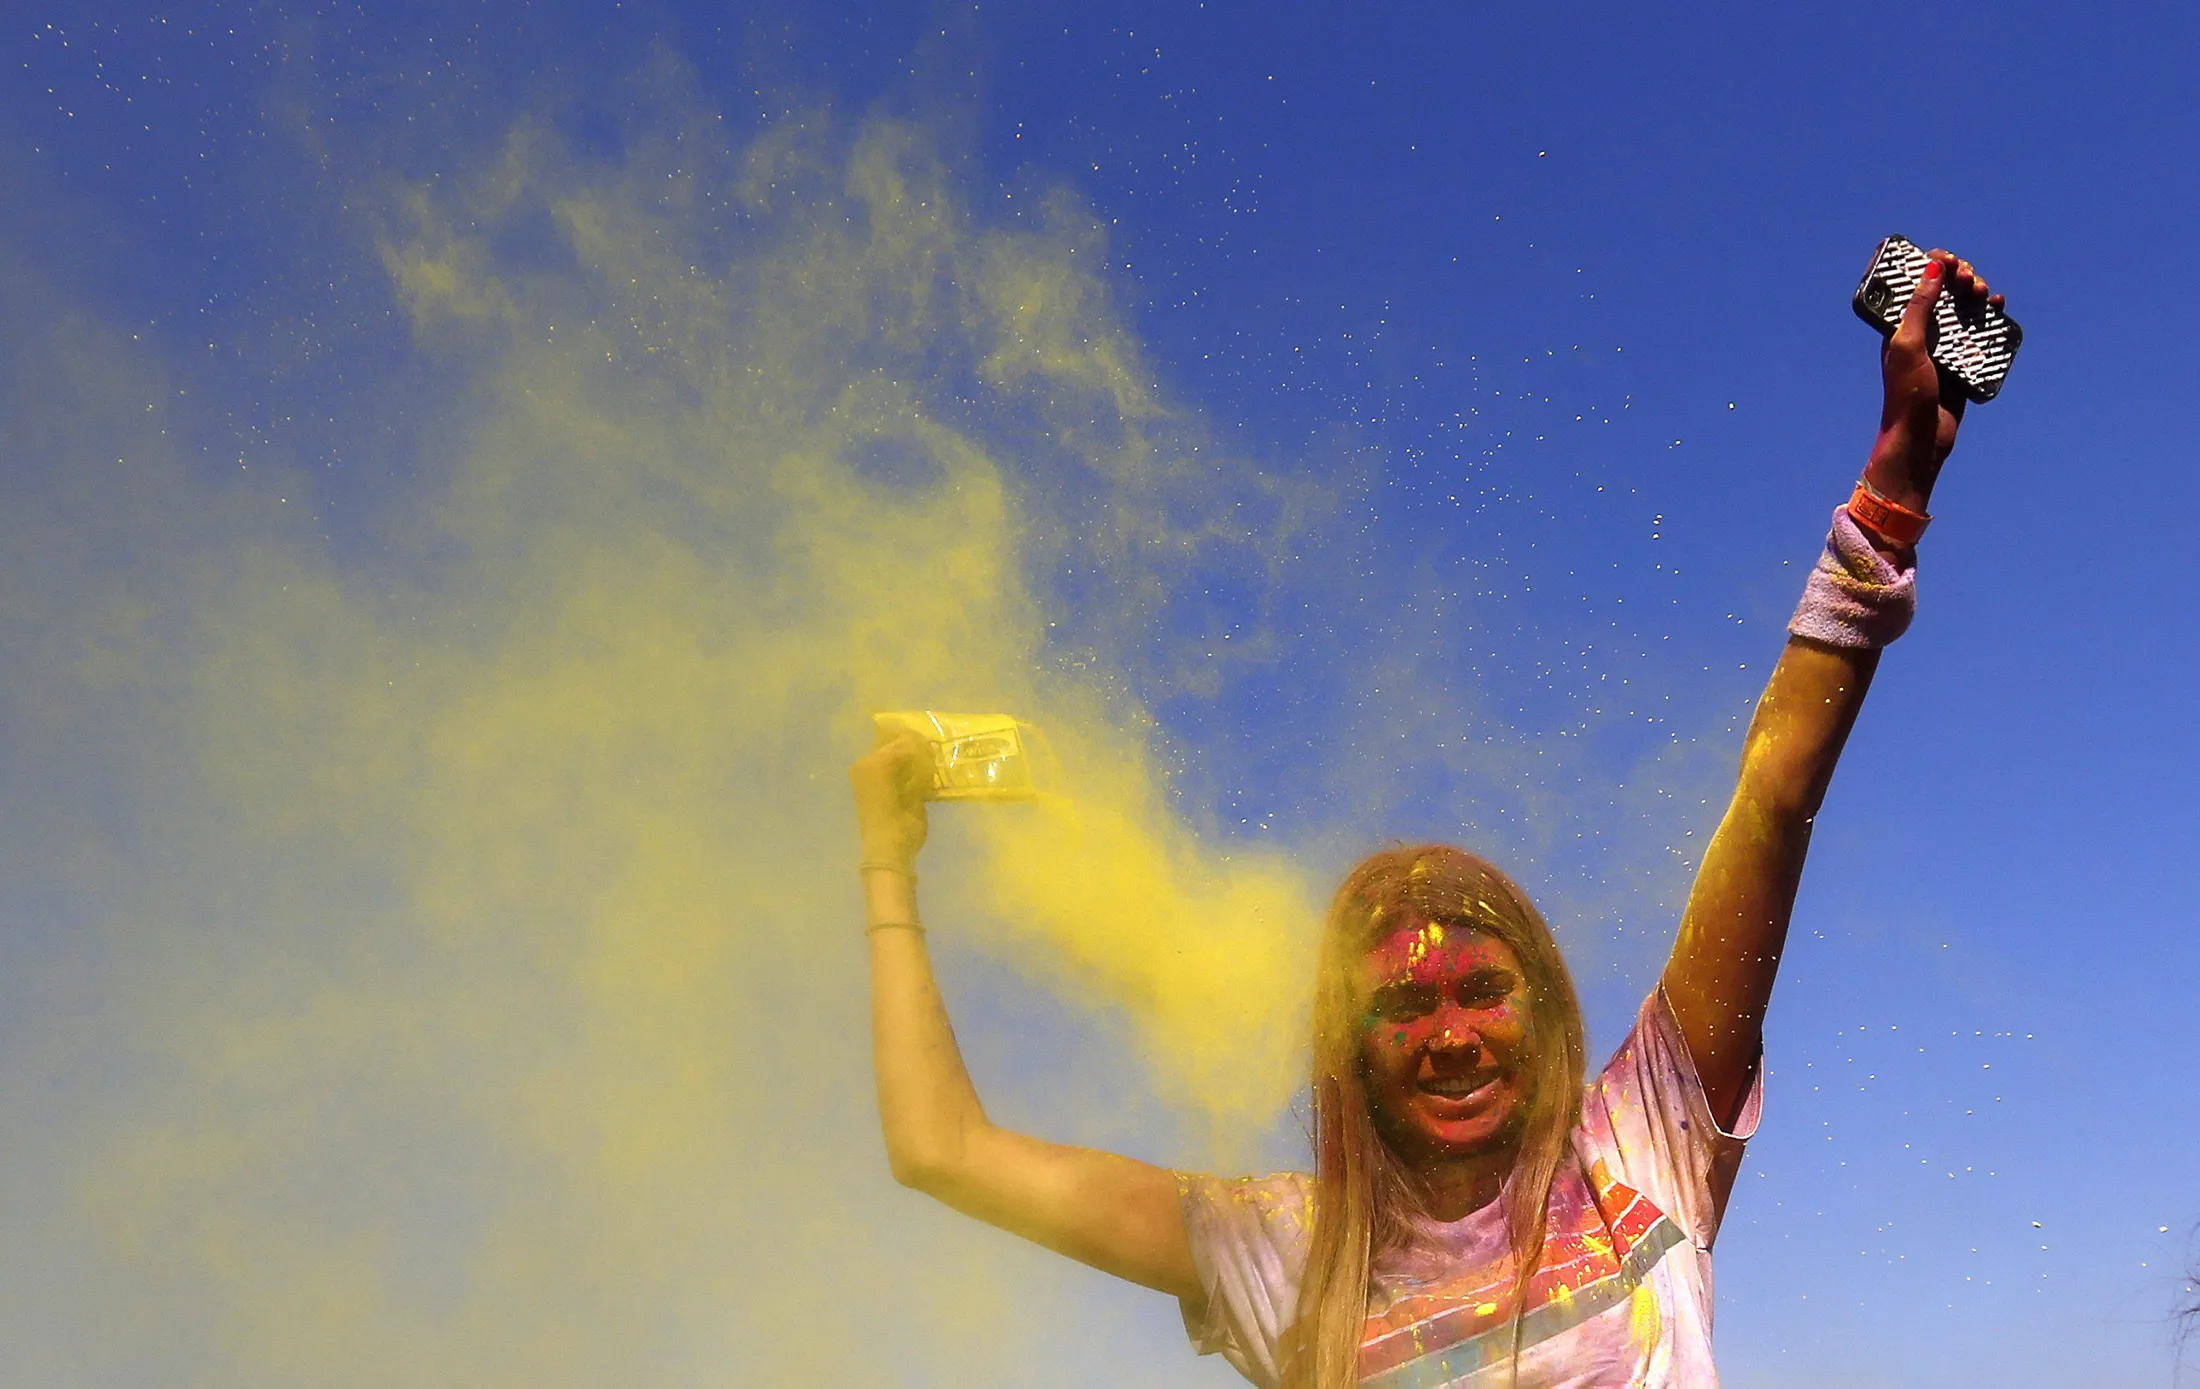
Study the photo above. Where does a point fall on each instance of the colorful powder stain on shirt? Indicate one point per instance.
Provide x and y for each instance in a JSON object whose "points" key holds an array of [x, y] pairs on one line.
{"points": [[1620, 1296]]}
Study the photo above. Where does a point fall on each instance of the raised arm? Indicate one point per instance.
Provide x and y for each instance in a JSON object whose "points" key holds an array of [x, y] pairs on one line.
{"points": [[1116, 1214], [1719, 979]]}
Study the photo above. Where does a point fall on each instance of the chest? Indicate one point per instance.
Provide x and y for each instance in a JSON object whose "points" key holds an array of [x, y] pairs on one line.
{"points": [[1451, 1304]]}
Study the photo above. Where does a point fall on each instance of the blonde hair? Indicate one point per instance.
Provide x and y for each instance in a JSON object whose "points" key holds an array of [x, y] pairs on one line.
{"points": [[1364, 1196]]}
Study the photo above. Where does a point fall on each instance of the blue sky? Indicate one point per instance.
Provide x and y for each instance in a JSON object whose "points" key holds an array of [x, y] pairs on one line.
{"points": [[1548, 304]]}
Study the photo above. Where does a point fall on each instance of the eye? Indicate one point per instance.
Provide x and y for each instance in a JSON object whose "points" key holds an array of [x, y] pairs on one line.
{"points": [[1399, 1004], [1487, 990]]}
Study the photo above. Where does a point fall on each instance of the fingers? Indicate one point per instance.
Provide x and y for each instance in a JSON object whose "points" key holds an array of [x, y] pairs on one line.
{"points": [[1963, 280], [900, 759], [899, 748], [890, 783], [1945, 273], [912, 755], [1968, 286], [895, 750], [1919, 312]]}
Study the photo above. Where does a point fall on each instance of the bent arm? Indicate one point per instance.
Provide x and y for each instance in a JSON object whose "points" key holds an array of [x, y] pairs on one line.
{"points": [[1120, 1216], [1719, 980]]}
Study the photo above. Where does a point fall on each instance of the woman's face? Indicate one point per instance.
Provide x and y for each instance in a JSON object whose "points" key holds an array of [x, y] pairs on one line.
{"points": [[1445, 1040]]}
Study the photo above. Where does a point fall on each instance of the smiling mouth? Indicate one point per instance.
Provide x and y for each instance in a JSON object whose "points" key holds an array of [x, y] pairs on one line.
{"points": [[1457, 1087]]}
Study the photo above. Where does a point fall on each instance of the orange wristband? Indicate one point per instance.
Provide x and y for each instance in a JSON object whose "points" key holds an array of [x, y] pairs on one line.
{"points": [[1890, 521]]}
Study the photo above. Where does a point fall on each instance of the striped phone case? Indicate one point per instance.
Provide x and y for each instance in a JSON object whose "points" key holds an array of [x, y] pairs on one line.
{"points": [[1974, 346]]}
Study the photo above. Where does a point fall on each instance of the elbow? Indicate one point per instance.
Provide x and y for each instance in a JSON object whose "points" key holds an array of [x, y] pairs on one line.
{"points": [[1779, 794], [933, 1164], [919, 1171], [1782, 808]]}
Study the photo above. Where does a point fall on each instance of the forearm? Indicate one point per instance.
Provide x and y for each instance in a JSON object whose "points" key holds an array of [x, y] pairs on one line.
{"points": [[1734, 929], [928, 1108], [1801, 724]]}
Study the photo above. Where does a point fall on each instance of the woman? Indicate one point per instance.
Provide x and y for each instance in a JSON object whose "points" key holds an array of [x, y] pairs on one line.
{"points": [[1476, 1214]]}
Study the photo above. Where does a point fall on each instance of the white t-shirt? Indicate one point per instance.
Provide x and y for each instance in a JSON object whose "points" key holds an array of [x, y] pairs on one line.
{"points": [[1622, 1295]]}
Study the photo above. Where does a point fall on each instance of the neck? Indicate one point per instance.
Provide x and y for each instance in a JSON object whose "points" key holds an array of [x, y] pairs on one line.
{"points": [[1453, 1188]]}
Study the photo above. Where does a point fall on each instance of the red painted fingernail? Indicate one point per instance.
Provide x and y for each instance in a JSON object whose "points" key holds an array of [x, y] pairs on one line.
{"points": [[1932, 269]]}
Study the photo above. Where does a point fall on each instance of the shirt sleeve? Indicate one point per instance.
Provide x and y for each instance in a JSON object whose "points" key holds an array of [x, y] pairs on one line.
{"points": [[1248, 1237], [1646, 1118]]}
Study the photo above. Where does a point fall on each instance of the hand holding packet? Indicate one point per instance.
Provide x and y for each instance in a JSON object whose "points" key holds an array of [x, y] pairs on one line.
{"points": [[977, 757]]}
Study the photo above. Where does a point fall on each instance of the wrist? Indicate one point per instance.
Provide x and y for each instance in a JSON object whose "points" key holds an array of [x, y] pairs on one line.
{"points": [[1858, 597], [889, 895], [894, 853], [1905, 481], [1892, 529]]}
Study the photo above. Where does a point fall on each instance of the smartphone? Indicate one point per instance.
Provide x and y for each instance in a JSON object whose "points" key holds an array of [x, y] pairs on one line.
{"points": [[1974, 345]]}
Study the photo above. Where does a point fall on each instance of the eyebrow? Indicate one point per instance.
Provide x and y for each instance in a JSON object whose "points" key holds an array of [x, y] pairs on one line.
{"points": [[1486, 975]]}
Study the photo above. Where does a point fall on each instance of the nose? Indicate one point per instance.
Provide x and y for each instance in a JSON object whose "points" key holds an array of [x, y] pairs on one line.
{"points": [[1455, 1032]]}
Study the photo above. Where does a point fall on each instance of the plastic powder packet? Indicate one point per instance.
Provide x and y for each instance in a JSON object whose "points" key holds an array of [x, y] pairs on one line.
{"points": [[978, 757]]}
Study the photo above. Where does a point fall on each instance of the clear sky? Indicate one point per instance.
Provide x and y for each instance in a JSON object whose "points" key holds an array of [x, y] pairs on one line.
{"points": [[1476, 382]]}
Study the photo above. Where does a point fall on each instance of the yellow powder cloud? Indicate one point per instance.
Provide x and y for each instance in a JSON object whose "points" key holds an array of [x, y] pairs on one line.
{"points": [[470, 926]]}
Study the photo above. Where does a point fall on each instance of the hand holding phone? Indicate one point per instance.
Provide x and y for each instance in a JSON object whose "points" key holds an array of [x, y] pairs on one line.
{"points": [[1973, 343]]}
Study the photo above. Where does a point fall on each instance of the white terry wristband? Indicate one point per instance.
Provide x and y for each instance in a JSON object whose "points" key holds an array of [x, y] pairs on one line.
{"points": [[1855, 597]]}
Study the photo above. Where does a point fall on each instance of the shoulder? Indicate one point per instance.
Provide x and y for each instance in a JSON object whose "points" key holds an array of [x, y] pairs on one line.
{"points": [[1646, 1120], [1279, 1198], [1248, 1238], [1651, 1063], [1262, 1221]]}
